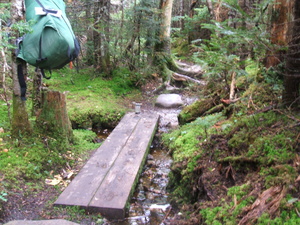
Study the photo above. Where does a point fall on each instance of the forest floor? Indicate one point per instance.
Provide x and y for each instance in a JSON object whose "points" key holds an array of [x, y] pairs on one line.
{"points": [[242, 174], [33, 200]]}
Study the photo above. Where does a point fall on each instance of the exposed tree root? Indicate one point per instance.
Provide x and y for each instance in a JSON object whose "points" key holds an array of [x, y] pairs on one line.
{"points": [[178, 71], [181, 77], [268, 201]]}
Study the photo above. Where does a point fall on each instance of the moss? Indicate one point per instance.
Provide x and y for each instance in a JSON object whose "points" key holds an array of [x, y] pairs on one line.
{"points": [[34, 158], [230, 211], [185, 141], [4, 120], [94, 101], [195, 110], [278, 175]]}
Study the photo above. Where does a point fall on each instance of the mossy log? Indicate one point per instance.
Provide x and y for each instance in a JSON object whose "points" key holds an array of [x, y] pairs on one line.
{"points": [[195, 110], [52, 120]]}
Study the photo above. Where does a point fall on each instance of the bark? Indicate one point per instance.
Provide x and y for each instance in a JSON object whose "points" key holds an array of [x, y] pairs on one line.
{"points": [[90, 50], [232, 86], [36, 92], [101, 36], [130, 50], [267, 202], [192, 7], [181, 77], [52, 121], [197, 109], [119, 39], [281, 12], [292, 72], [210, 9], [5, 69], [165, 30], [20, 121], [163, 48], [181, 13]]}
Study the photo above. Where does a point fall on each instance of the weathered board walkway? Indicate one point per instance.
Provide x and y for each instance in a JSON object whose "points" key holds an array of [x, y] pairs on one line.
{"points": [[107, 180]]}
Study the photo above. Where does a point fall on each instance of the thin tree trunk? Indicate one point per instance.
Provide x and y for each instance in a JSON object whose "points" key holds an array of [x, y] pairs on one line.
{"points": [[5, 70], [102, 36], [181, 22], [88, 15], [210, 9], [292, 75], [20, 121]]}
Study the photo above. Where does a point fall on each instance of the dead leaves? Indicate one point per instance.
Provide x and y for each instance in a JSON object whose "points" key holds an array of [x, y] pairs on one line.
{"points": [[64, 178], [55, 181]]}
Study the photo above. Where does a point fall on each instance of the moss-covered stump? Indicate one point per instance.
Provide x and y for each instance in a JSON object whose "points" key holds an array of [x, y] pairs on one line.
{"points": [[195, 110], [52, 121]]}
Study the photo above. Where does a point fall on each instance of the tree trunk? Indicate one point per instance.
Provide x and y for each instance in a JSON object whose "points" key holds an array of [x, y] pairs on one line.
{"points": [[210, 9], [281, 12], [5, 69], [292, 73], [165, 31], [20, 121], [102, 36], [90, 50], [181, 13], [36, 92], [52, 121]]}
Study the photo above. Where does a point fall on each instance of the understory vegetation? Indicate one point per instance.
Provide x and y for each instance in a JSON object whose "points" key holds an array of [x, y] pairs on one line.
{"points": [[236, 153], [93, 104]]}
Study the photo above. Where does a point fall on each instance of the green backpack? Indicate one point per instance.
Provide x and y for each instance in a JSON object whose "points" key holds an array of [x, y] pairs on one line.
{"points": [[52, 43]]}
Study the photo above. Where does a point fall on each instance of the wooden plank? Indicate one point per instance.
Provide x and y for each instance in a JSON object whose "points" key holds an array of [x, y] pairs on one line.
{"points": [[80, 191], [113, 193]]}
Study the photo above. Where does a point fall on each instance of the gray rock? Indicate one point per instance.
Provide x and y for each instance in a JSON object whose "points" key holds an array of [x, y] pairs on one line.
{"points": [[40, 222], [169, 101]]}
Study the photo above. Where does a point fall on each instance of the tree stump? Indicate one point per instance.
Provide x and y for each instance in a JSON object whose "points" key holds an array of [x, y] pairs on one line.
{"points": [[52, 120], [37, 92]]}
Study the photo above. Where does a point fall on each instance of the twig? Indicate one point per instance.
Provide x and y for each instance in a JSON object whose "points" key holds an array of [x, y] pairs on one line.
{"points": [[166, 215], [232, 86], [291, 117]]}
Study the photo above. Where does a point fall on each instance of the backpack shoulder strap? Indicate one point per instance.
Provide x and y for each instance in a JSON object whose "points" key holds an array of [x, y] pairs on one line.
{"points": [[46, 10]]}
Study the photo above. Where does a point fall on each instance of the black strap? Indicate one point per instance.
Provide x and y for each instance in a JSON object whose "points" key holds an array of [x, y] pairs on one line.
{"points": [[44, 75], [40, 59], [46, 10], [22, 82]]}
